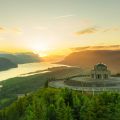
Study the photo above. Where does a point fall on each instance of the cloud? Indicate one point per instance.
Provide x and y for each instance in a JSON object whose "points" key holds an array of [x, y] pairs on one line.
{"points": [[112, 29], [2, 29], [89, 30], [64, 16], [109, 47]]}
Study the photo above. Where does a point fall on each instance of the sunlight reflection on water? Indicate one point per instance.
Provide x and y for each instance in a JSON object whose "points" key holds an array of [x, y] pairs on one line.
{"points": [[24, 69]]}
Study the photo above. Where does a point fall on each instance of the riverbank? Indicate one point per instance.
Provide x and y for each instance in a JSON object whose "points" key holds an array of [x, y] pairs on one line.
{"points": [[26, 84], [24, 69]]}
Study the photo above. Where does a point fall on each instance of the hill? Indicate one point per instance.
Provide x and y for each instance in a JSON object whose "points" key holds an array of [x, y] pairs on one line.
{"points": [[64, 104], [6, 64], [27, 84], [88, 58], [21, 58]]}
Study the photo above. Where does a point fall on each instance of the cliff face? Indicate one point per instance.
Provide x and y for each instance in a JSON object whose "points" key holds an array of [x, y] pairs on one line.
{"points": [[6, 64], [21, 58], [8, 61], [86, 59]]}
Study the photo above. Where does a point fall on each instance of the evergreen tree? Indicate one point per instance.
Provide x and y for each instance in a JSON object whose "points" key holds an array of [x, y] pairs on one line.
{"points": [[29, 114], [51, 115]]}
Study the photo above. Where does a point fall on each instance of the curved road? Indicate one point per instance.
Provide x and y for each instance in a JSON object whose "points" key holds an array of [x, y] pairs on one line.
{"points": [[61, 84]]}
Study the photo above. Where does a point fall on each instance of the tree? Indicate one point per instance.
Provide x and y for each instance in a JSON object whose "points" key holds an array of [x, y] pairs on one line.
{"points": [[46, 84], [29, 114], [51, 115]]}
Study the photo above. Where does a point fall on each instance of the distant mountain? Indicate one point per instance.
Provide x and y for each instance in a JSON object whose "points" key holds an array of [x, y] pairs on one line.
{"points": [[87, 59], [53, 58], [27, 58], [6, 64], [21, 58]]}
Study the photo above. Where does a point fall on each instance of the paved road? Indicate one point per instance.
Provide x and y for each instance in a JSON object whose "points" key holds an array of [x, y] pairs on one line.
{"points": [[60, 84]]}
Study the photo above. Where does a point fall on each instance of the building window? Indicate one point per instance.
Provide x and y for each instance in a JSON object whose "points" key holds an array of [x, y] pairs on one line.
{"points": [[92, 75], [105, 76], [98, 76]]}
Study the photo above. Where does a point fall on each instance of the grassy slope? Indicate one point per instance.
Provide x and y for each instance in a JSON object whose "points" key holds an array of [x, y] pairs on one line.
{"points": [[22, 85]]}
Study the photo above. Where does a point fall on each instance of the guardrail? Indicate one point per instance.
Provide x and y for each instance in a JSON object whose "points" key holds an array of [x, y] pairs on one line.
{"points": [[87, 89]]}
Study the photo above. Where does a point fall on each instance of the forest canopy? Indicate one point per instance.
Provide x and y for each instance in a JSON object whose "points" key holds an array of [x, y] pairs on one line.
{"points": [[65, 104]]}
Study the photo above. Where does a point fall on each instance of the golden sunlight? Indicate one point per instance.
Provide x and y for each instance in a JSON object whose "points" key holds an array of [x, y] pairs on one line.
{"points": [[41, 49]]}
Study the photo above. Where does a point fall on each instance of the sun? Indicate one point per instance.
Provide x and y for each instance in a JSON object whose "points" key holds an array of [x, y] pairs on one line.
{"points": [[40, 49]]}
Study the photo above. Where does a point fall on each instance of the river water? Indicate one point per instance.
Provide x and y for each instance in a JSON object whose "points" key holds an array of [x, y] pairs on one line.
{"points": [[25, 68]]}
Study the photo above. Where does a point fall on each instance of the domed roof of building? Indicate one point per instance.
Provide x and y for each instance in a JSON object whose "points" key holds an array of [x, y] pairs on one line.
{"points": [[100, 66]]}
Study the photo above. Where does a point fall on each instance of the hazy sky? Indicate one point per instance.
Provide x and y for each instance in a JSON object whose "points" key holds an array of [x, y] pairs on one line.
{"points": [[45, 25]]}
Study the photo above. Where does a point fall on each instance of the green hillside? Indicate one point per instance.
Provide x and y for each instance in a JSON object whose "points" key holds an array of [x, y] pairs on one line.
{"points": [[22, 85], [21, 58], [64, 104], [6, 64]]}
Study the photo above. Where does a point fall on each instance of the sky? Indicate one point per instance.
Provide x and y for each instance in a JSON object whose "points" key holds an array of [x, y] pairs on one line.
{"points": [[44, 26]]}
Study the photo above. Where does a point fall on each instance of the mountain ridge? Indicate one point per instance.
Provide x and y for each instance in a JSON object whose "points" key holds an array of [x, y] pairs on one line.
{"points": [[6, 64], [21, 58], [88, 58]]}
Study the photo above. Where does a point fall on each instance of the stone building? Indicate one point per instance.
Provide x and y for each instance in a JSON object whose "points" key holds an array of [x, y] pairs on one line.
{"points": [[100, 71]]}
